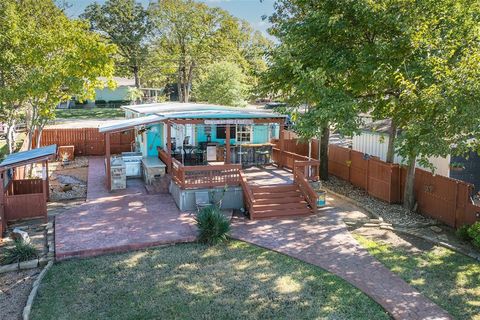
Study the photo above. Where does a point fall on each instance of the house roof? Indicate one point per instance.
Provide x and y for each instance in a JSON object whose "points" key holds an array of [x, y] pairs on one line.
{"points": [[127, 82], [380, 126], [177, 107], [157, 112], [130, 123], [29, 156]]}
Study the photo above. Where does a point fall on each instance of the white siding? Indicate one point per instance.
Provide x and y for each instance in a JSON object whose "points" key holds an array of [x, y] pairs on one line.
{"points": [[376, 144]]}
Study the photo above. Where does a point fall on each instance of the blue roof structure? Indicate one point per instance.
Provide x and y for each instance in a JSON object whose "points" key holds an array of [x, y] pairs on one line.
{"points": [[156, 112], [29, 156]]}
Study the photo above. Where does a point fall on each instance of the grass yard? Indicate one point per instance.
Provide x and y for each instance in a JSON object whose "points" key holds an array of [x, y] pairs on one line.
{"points": [[95, 113], [450, 279], [193, 281]]}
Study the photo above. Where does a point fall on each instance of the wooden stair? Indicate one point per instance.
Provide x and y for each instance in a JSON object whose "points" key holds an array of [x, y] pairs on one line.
{"points": [[273, 201]]}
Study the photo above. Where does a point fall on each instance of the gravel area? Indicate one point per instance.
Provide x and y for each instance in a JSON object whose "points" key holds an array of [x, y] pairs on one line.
{"points": [[69, 181], [394, 214], [14, 290]]}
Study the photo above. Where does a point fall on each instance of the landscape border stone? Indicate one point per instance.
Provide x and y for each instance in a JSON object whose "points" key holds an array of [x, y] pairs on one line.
{"points": [[31, 297], [394, 228]]}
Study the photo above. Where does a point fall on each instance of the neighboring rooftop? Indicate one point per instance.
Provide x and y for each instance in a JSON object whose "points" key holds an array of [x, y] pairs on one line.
{"points": [[126, 82], [380, 126]]}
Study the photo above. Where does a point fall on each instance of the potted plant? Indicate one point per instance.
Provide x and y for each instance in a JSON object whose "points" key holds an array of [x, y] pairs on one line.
{"points": [[457, 166]]}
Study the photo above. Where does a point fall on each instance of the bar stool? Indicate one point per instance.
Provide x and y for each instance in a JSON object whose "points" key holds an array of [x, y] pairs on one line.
{"points": [[262, 156], [243, 156]]}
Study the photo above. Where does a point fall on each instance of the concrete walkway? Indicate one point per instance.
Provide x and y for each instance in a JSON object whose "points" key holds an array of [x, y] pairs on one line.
{"points": [[323, 240], [119, 221]]}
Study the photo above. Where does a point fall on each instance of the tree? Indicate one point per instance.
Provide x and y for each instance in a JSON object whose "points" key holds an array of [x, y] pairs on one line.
{"points": [[126, 24], [223, 83], [414, 62], [11, 97], [190, 36], [310, 75], [54, 59]]}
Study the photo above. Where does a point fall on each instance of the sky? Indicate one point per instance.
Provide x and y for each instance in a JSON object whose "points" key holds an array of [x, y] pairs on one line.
{"points": [[250, 10]]}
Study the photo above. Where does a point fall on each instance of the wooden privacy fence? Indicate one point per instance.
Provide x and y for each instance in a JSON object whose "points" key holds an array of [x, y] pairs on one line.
{"points": [[87, 141], [442, 198]]}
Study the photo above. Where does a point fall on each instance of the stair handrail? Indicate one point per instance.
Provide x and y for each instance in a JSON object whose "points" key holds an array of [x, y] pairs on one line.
{"points": [[306, 189], [247, 191]]}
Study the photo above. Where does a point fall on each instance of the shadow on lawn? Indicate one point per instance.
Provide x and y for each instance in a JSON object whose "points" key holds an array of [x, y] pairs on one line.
{"points": [[450, 279], [189, 281]]}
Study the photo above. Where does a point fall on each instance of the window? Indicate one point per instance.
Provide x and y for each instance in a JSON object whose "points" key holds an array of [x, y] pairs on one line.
{"points": [[244, 133], [222, 132]]}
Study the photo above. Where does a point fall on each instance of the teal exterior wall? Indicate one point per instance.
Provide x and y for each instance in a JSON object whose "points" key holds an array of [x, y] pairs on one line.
{"points": [[260, 134], [154, 139], [119, 93]]}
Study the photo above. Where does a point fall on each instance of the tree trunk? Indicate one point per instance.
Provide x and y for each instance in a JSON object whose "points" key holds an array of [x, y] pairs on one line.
{"points": [[392, 135], [324, 152], [137, 78], [10, 138], [409, 194]]}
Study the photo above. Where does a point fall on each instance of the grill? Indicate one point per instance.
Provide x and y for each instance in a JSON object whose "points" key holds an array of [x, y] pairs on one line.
{"points": [[133, 163]]}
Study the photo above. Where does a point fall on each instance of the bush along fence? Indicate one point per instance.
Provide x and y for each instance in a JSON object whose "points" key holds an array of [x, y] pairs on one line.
{"points": [[439, 197], [86, 141]]}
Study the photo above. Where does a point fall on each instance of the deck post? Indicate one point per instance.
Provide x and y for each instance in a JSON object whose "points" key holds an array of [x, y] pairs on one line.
{"points": [[227, 144], [282, 144], [45, 186], [3, 223], [107, 161], [48, 182], [169, 146]]}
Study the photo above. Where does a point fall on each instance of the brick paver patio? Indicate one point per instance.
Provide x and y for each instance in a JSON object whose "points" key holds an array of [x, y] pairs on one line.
{"points": [[119, 221], [323, 240], [131, 219]]}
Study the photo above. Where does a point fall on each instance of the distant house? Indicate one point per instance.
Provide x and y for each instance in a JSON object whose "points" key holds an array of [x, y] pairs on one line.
{"points": [[113, 98], [373, 140]]}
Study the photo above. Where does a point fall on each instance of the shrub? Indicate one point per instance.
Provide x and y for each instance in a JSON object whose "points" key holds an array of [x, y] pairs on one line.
{"points": [[212, 225], [22, 251], [474, 233], [462, 233]]}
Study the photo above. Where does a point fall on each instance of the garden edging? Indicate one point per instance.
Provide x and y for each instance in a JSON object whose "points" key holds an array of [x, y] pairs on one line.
{"points": [[406, 231], [31, 297]]}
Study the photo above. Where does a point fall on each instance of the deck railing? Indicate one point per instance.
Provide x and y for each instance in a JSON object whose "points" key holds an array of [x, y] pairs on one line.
{"points": [[191, 177], [304, 186], [165, 157], [249, 198], [287, 159]]}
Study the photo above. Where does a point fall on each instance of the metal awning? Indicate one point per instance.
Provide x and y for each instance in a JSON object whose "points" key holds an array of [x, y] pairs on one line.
{"points": [[27, 157], [130, 123]]}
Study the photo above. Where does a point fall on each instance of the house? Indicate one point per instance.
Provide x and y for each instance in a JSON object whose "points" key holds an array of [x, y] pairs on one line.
{"points": [[205, 148], [373, 140], [112, 98]]}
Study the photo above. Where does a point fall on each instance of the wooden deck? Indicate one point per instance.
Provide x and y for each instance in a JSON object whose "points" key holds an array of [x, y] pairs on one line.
{"points": [[268, 175]]}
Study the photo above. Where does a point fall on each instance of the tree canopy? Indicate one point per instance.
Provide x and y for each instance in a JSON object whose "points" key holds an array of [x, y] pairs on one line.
{"points": [[189, 36], [126, 24], [47, 58], [222, 83], [415, 62]]}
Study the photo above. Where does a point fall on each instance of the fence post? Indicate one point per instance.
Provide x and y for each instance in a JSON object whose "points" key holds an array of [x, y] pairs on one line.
{"points": [[455, 204], [367, 174]]}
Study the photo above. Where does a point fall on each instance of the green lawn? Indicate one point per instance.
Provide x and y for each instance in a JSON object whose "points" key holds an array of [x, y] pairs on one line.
{"points": [[450, 279], [95, 113], [193, 281]]}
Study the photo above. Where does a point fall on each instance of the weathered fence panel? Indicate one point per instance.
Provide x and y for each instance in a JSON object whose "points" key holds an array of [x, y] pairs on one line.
{"points": [[87, 141], [25, 206], [442, 198]]}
